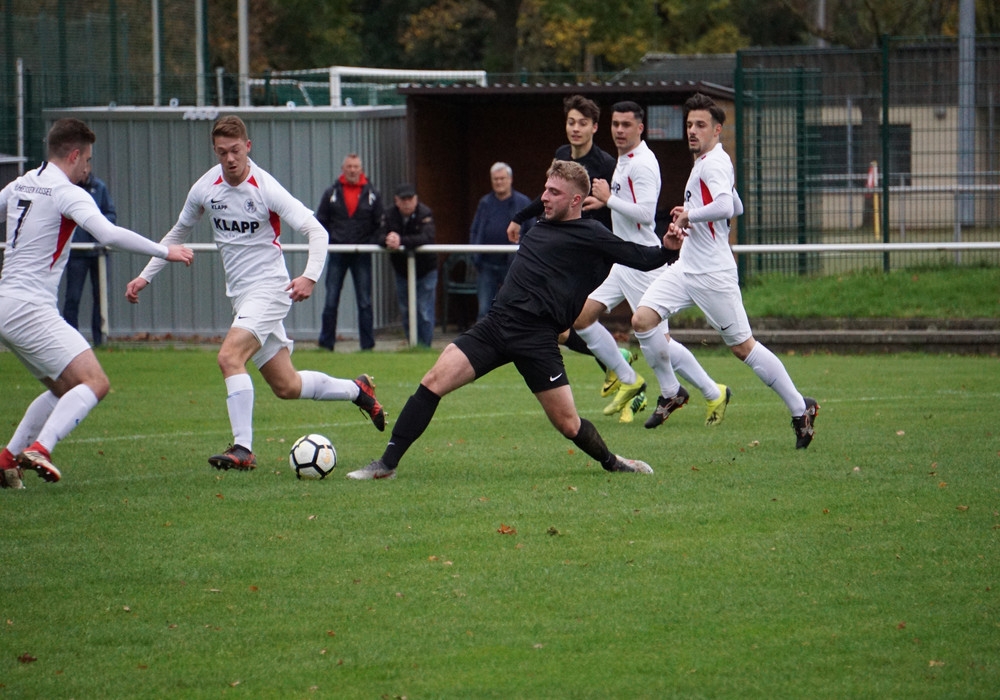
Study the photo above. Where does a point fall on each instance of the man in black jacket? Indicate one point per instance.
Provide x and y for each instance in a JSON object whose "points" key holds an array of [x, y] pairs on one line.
{"points": [[351, 211], [409, 223], [559, 262]]}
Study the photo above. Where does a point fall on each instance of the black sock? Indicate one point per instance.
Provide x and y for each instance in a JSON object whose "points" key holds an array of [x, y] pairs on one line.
{"points": [[591, 442], [413, 420]]}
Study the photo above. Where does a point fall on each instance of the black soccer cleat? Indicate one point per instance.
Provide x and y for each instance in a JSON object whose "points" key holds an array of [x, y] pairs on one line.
{"points": [[664, 407], [803, 425], [236, 457]]}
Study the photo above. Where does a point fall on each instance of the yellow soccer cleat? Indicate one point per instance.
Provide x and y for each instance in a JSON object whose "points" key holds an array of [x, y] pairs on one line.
{"points": [[635, 406], [611, 381], [626, 392], [716, 410]]}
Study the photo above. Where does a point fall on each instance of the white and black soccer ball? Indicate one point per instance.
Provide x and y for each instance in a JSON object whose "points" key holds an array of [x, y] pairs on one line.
{"points": [[312, 457]]}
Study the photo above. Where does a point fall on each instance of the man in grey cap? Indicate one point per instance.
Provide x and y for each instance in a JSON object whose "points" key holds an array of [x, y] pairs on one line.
{"points": [[408, 224]]}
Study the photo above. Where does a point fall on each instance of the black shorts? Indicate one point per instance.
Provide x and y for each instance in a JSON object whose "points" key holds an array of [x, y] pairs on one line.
{"points": [[531, 345]]}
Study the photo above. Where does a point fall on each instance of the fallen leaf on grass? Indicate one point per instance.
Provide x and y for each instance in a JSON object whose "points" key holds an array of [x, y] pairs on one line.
{"points": [[900, 432], [506, 529], [901, 626], [932, 663], [963, 508], [552, 531], [27, 658]]}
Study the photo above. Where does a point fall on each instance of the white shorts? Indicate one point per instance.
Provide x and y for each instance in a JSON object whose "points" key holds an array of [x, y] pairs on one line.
{"points": [[717, 294], [262, 312], [626, 284], [39, 337]]}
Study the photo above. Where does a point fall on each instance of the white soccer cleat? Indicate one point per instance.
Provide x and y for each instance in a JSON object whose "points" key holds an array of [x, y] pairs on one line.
{"points": [[633, 466], [375, 470]]}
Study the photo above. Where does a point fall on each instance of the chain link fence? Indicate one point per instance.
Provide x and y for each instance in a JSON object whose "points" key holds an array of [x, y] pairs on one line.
{"points": [[895, 145], [87, 53]]}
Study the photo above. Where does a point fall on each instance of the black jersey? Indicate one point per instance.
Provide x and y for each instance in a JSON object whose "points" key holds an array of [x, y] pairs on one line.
{"points": [[559, 263]]}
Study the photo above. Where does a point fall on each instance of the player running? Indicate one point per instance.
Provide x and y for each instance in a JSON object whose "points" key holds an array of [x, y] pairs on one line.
{"points": [[705, 276], [246, 205]]}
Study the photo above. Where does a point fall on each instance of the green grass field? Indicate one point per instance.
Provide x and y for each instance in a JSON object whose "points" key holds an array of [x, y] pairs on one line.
{"points": [[866, 566]]}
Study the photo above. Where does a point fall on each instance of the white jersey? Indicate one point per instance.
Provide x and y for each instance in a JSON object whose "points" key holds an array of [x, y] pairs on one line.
{"points": [[42, 208], [706, 249], [246, 226], [635, 189]]}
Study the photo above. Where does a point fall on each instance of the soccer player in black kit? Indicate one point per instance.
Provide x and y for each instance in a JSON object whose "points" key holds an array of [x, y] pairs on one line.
{"points": [[559, 262]]}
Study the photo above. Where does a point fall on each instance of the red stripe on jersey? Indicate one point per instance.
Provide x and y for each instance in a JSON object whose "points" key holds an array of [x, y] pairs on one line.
{"points": [[706, 199], [253, 182], [219, 181], [66, 227], [631, 189], [276, 225]]}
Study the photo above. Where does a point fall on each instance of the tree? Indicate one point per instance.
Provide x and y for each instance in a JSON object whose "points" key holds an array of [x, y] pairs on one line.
{"points": [[286, 34], [448, 34]]}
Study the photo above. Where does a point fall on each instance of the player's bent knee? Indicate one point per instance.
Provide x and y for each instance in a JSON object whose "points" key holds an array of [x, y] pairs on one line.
{"points": [[645, 319]]}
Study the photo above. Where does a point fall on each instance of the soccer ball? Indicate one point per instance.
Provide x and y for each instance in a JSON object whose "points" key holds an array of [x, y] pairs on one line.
{"points": [[312, 457]]}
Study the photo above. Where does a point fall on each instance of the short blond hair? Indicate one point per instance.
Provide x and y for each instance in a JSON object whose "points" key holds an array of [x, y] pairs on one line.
{"points": [[571, 172]]}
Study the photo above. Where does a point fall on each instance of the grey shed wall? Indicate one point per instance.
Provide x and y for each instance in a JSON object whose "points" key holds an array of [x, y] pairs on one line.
{"points": [[150, 157]]}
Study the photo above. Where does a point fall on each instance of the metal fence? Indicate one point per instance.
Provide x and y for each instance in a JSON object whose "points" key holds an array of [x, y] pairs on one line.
{"points": [[899, 144]]}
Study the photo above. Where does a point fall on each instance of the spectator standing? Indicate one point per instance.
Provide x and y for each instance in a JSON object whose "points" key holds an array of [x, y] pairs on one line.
{"points": [[84, 263], [409, 223], [489, 227], [351, 212]]}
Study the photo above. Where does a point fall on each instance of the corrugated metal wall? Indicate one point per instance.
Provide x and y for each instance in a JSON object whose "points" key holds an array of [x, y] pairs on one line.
{"points": [[150, 157]]}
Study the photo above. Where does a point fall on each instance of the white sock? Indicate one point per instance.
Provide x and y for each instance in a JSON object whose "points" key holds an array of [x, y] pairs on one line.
{"points": [[603, 345], [656, 350], [31, 424], [766, 365], [685, 364], [72, 407], [239, 402], [323, 387]]}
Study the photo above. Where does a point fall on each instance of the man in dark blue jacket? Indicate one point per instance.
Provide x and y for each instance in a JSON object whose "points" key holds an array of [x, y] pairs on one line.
{"points": [[84, 263], [351, 211]]}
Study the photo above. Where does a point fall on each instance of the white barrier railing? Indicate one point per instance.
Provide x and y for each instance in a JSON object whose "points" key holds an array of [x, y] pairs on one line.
{"points": [[738, 249]]}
